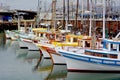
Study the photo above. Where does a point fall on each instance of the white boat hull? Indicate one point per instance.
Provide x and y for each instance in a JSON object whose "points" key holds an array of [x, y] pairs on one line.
{"points": [[76, 62], [77, 65]]}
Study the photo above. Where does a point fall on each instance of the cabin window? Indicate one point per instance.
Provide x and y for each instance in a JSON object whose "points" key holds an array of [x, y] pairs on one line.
{"points": [[41, 35], [119, 47], [111, 46], [114, 47], [87, 44], [104, 45], [57, 36], [88, 53], [74, 39], [98, 55], [113, 56], [68, 40], [105, 55]]}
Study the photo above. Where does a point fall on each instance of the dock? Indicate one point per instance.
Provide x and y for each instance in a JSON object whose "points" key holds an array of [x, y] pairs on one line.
{"points": [[29, 46], [58, 59]]}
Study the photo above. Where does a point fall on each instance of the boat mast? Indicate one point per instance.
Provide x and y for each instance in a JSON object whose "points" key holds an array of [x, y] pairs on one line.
{"points": [[82, 17], [90, 17], [67, 16], [38, 13], [88, 5], [68, 10], [104, 10], [63, 14], [72, 9], [108, 8], [76, 22], [18, 20], [53, 23], [92, 31]]}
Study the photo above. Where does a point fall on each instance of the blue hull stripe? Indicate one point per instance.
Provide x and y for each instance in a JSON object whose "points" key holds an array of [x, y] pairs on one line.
{"points": [[91, 60]]}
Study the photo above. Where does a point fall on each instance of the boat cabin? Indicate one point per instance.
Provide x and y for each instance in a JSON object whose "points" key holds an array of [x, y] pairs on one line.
{"points": [[51, 35], [111, 45], [111, 49], [75, 41]]}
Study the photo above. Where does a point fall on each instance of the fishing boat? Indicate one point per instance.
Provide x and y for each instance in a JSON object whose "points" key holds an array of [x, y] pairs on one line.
{"points": [[56, 58], [105, 59], [74, 45], [96, 58], [49, 46], [11, 35]]}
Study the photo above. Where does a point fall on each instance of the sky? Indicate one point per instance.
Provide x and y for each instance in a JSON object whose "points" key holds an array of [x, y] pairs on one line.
{"points": [[22, 4], [32, 4]]}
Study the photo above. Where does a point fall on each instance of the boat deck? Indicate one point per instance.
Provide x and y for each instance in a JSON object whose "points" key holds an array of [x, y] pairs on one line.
{"points": [[78, 50]]}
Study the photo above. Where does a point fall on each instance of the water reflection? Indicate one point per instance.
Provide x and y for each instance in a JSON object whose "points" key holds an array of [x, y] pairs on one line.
{"points": [[92, 76], [58, 72], [2, 38], [25, 54], [44, 66], [21, 53]]}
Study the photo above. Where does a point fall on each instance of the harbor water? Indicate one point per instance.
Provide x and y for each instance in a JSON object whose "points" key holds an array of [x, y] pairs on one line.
{"points": [[19, 64]]}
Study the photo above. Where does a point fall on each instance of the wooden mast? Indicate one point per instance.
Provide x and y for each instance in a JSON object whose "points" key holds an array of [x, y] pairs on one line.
{"points": [[88, 5], [90, 17], [92, 31], [68, 10], [38, 13], [76, 22], [104, 10], [82, 18], [53, 23], [63, 14], [18, 21]]}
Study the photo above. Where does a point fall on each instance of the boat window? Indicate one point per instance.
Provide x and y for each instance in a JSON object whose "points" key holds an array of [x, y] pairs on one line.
{"points": [[87, 44], [74, 39], [114, 47], [105, 55], [57, 36], [88, 53], [119, 47], [113, 56], [68, 40], [98, 55], [41, 35], [106, 45]]}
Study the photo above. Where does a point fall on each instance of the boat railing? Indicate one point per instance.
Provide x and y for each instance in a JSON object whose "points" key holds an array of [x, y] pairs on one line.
{"points": [[117, 35]]}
